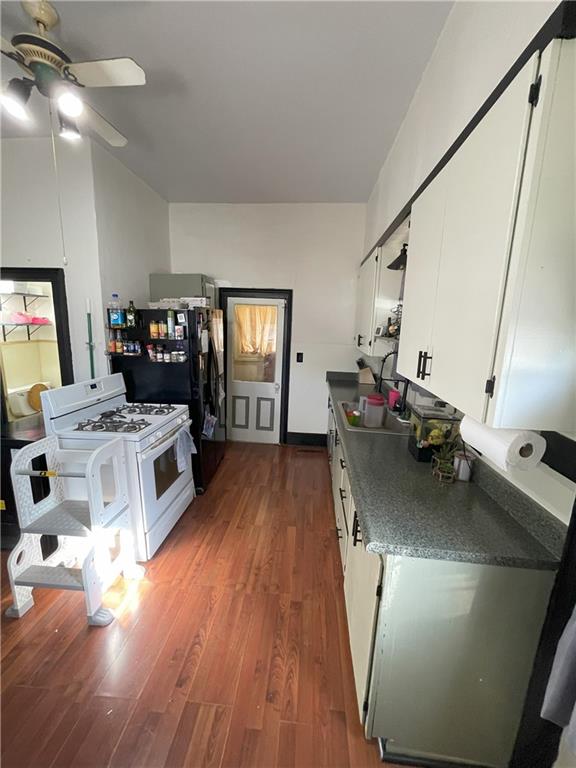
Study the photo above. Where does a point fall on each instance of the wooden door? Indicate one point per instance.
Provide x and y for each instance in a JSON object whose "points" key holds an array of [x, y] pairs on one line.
{"points": [[254, 371]]}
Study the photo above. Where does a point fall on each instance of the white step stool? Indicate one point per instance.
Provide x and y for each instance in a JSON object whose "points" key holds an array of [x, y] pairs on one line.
{"points": [[94, 536]]}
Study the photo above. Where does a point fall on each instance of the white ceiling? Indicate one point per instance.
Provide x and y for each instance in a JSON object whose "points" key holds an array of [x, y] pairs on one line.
{"points": [[254, 101]]}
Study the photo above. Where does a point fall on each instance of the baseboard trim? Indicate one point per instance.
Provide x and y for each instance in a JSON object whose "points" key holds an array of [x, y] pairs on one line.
{"points": [[305, 438]]}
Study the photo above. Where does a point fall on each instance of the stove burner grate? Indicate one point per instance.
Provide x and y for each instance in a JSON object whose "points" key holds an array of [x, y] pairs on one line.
{"points": [[108, 424], [145, 409]]}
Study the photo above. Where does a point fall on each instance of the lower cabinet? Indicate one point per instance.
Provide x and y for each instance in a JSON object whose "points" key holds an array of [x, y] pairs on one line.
{"points": [[362, 570], [454, 650], [340, 495], [362, 579], [331, 433]]}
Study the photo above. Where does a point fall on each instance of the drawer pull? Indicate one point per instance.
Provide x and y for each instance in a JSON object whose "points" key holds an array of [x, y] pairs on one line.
{"points": [[342, 463], [356, 537], [425, 358]]}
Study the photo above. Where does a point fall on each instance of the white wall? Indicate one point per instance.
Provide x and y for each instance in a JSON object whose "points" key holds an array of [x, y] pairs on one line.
{"points": [[81, 264], [310, 248], [478, 45], [132, 226], [32, 235], [113, 230], [30, 219]]}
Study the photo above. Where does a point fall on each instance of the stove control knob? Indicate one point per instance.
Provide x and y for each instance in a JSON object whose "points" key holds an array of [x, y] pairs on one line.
{"points": [[158, 435]]}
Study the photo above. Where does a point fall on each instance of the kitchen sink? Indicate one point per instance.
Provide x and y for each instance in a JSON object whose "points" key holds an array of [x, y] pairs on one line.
{"points": [[390, 426]]}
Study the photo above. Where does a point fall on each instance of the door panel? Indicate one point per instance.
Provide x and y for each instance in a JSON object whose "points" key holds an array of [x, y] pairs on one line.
{"points": [[255, 361], [365, 297], [426, 225], [538, 342], [482, 192], [361, 580]]}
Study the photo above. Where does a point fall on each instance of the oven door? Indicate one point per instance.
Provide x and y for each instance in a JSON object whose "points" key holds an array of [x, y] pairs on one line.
{"points": [[160, 481]]}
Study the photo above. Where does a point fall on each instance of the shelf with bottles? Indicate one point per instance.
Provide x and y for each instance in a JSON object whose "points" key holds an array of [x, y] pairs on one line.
{"points": [[145, 333], [161, 324]]}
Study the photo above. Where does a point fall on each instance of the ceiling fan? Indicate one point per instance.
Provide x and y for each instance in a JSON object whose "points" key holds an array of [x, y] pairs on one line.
{"points": [[57, 77]]}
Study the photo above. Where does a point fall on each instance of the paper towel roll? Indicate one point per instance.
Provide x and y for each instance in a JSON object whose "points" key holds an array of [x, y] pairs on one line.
{"points": [[504, 447]]}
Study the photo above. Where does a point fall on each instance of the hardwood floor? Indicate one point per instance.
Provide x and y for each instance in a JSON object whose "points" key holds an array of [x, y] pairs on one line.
{"points": [[232, 651]]}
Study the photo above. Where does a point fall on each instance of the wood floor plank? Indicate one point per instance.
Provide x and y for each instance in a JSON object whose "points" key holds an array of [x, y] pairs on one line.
{"points": [[231, 653], [127, 674], [296, 746], [200, 738], [92, 740], [216, 679]]}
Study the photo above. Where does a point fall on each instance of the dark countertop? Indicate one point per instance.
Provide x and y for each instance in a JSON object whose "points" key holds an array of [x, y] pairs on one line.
{"points": [[15, 434], [402, 510]]}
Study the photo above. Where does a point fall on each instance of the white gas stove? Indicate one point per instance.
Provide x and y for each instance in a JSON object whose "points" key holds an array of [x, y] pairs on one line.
{"points": [[84, 414]]}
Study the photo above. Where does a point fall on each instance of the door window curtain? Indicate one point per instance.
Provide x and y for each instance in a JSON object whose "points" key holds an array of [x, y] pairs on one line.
{"points": [[255, 330]]}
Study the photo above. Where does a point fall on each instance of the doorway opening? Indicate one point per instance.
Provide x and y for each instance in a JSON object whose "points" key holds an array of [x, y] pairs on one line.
{"points": [[257, 324]]}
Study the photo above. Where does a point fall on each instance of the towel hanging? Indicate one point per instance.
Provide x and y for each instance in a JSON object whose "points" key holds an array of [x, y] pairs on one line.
{"points": [[184, 447]]}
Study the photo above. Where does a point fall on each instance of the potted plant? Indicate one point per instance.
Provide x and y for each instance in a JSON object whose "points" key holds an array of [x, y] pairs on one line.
{"points": [[443, 462]]}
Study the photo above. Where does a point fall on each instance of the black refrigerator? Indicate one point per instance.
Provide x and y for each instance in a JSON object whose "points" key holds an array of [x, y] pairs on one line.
{"points": [[198, 382]]}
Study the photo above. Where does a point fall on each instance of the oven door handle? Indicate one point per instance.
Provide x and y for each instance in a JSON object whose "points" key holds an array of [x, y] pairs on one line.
{"points": [[169, 437]]}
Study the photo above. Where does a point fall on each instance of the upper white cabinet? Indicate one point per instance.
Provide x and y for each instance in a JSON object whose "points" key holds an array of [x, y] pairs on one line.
{"points": [[365, 298], [491, 244], [535, 365], [421, 277], [388, 288]]}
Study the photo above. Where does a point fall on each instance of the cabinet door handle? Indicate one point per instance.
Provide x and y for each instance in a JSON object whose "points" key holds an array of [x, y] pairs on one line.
{"points": [[356, 537], [419, 366], [425, 358], [342, 494], [339, 532], [342, 463], [359, 343]]}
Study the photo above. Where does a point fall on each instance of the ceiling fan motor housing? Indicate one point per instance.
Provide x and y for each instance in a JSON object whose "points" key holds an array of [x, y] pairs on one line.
{"points": [[43, 58]]}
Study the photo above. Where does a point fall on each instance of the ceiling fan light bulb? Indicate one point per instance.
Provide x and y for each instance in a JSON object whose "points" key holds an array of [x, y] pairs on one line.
{"points": [[14, 107], [15, 97], [70, 105], [68, 128], [69, 135]]}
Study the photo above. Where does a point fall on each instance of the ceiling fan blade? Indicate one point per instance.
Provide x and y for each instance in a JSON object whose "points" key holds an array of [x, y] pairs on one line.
{"points": [[103, 127], [106, 73]]}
